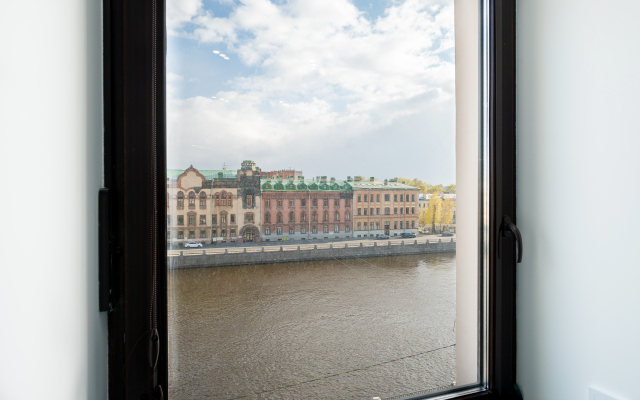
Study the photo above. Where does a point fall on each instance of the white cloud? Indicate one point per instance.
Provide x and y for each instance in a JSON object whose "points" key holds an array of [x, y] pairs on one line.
{"points": [[180, 12]]}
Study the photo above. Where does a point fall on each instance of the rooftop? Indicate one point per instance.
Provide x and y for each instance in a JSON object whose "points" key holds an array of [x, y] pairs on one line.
{"points": [[301, 184], [208, 174]]}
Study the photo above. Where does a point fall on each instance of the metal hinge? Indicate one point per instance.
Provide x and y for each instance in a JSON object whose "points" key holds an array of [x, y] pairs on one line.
{"points": [[105, 240]]}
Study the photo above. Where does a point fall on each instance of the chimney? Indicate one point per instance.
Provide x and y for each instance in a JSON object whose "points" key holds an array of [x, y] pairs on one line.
{"points": [[349, 179], [323, 178], [290, 178], [333, 179], [386, 182], [372, 179]]}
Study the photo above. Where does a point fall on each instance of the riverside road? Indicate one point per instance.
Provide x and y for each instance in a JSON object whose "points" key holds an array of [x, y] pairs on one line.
{"points": [[234, 248]]}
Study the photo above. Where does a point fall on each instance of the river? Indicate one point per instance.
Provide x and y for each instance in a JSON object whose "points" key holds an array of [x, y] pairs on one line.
{"points": [[339, 329]]}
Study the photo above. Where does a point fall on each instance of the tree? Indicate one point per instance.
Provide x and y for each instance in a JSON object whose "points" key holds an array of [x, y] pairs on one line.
{"points": [[447, 212], [451, 188], [434, 189], [433, 212]]}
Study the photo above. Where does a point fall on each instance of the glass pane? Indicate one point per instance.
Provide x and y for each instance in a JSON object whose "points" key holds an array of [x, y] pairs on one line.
{"points": [[314, 149]]}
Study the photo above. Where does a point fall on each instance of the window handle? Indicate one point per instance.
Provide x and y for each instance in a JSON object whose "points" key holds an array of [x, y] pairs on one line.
{"points": [[508, 225]]}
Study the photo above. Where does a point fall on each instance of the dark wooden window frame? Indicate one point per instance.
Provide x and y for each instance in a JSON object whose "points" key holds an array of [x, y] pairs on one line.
{"points": [[135, 168]]}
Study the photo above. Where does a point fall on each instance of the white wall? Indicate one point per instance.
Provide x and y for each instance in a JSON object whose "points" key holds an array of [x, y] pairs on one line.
{"points": [[578, 197], [53, 341]]}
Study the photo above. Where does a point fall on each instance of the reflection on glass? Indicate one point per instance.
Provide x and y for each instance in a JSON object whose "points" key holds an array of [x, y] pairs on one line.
{"points": [[291, 275]]}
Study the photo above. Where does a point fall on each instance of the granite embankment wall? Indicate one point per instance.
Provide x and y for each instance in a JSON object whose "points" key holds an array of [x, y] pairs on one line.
{"points": [[329, 252]]}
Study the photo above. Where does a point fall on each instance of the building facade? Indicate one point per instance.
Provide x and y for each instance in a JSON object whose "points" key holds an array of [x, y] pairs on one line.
{"points": [[384, 207], [305, 209], [213, 205]]}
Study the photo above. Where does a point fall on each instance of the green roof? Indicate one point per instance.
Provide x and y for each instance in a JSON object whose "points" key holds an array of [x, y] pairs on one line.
{"points": [[208, 173], [284, 185], [377, 185]]}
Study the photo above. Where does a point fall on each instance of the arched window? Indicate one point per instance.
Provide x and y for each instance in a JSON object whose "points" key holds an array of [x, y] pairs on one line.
{"points": [[291, 217], [325, 216], [203, 199], [192, 199], [267, 218], [180, 200], [337, 216], [224, 198], [303, 216], [347, 215], [279, 217]]}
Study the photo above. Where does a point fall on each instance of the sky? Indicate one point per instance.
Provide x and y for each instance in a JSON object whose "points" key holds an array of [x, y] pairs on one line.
{"points": [[333, 87]]}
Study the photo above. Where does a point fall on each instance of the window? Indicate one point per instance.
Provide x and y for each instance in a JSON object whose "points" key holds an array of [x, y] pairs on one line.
{"points": [[233, 218], [401, 210], [180, 200], [279, 203], [336, 228], [249, 200], [314, 202], [401, 225], [203, 199], [395, 197], [314, 216], [217, 199], [315, 229], [413, 210], [377, 198], [290, 203], [248, 218], [267, 231], [192, 219], [406, 210], [413, 197], [347, 229], [395, 224], [267, 203], [203, 220], [326, 229], [279, 230], [378, 225], [359, 198], [395, 210], [203, 234], [290, 231], [336, 203], [377, 211], [267, 218], [168, 219], [303, 202], [347, 216], [346, 203], [359, 211], [224, 233], [291, 217], [365, 211], [214, 219], [223, 218], [279, 218], [325, 202], [325, 216], [358, 226], [303, 216], [413, 223], [387, 211], [142, 111], [371, 211], [366, 198], [371, 198], [400, 197], [192, 200], [180, 234], [214, 233], [192, 234], [386, 197], [336, 216], [303, 230]]}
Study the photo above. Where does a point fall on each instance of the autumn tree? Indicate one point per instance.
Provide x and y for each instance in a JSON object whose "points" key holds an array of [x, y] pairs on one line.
{"points": [[446, 216], [451, 188], [433, 212]]}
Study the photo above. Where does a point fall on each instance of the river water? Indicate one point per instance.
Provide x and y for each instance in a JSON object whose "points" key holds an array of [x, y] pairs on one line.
{"points": [[341, 329]]}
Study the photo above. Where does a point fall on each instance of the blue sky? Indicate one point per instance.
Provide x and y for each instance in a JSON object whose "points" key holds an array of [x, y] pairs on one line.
{"points": [[334, 88]]}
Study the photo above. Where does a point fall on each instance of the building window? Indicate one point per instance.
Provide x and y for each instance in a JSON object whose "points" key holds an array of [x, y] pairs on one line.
{"points": [[366, 198], [358, 228], [314, 202], [347, 216], [279, 230], [203, 220], [315, 216], [233, 218], [203, 199], [401, 225], [365, 211], [346, 203], [303, 216], [401, 210], [315, 229], [378, 225], [267, 218], [192, 219], [279, 218], [169, 235], [233, 233], [224, 198], [214, 219], [267, 231], [336, 228], [248, 218], [192, 199], [387, 211], [290, 231], [406, 210], [217, 199], [395, 224], [371, 198], [224, 233], [180, 200], [386, 197], [303, 230], [413, 197], [371, 211], [291, 217], [395, 197], [223, 219], [326, 229], [359, 211], [267, 203], [192, 234], [371, 226], [203, 234], [346, 228], [336, 203], [180, 234], [377, 211], [413, 210], [336, 216], [395, 210], [377, 198], [168, 219], [279, 203], [359, 198], [303, 202], [413, 224], [325, 216], [214, 233], [249, 200], [325, 202], [400, 197]]}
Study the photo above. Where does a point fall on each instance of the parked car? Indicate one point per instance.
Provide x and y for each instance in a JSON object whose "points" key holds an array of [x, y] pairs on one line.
{"points": [[382, 236], [192, 244], [447, 234], [408, 235]]}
